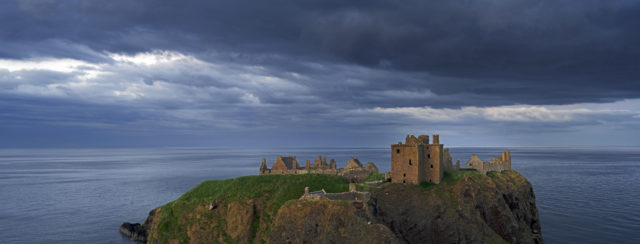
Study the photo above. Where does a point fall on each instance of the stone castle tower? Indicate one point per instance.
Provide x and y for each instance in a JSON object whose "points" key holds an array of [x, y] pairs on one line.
{"points": [[417, 161]]}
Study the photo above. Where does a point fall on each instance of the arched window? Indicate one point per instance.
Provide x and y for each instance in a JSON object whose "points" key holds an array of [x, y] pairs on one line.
{"points": [[432, 166], [410, 162], [404, 175], [429, 155]]}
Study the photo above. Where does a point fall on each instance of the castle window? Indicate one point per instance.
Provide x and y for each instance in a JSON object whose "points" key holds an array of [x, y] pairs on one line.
{"points": [[404, 181], [432, 166], [397, 150], [410, 162], [404, 175], [429, 155]]}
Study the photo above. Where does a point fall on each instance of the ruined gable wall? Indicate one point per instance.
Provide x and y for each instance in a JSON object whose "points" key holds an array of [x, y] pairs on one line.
{"points": [[492, 166], [475, 163], [353, 163], [279, 165]]}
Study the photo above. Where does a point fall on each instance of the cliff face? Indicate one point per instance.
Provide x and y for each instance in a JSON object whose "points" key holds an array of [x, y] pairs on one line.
{"points": [[473, 209], [327, 222], [467, 207]]}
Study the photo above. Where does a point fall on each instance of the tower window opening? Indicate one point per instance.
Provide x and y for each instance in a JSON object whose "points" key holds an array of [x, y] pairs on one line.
{"points": [[410, 162], [429, 155], [432, 166], [404, 175], [404, 181], [398, 151]]}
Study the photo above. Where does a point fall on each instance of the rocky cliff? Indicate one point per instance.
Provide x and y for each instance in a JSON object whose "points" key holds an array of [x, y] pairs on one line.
{"points": [[466, 207]]}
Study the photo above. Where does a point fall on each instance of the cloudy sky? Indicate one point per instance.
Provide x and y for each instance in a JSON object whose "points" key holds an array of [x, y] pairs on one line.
{"points": [[145, 73]]}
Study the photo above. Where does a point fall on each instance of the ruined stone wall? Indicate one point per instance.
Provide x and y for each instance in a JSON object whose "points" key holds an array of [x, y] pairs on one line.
{"points": [[434, 165], [475, 163], [496, 164], [372, 167], [492, 166], [447, 160], [353, 163], [505, 159], [298, 171], [289, 165]]}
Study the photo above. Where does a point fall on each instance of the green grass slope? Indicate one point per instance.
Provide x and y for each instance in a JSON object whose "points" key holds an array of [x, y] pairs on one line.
{"points": [[176, 220]]}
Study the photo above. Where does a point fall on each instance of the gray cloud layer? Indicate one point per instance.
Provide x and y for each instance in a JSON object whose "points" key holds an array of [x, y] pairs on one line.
{"points": [[319, 67]]}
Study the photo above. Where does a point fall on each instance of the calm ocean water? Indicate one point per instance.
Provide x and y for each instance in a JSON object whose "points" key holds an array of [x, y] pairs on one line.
{"points": [[585, 195]]}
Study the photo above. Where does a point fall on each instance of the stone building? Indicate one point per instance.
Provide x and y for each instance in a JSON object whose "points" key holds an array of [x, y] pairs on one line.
{"points": [[418, 161], [496, 164], [289, 165]]}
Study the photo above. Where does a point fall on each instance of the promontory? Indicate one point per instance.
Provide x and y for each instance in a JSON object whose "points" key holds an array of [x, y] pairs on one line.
{"points": [[417, 202]]}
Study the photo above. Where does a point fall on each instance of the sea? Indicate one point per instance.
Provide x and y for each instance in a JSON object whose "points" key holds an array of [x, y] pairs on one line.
{"points": [[584, 195]]}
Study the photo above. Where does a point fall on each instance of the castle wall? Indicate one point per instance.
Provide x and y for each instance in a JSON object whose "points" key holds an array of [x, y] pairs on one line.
{"points": [[435, 160], [492, 166], [447, 162]]}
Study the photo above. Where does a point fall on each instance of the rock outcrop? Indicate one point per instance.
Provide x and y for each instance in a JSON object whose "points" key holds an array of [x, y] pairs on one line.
{"points": [[134, 231], [138, 232], [466, 207], [499, 208], [327, 222]]}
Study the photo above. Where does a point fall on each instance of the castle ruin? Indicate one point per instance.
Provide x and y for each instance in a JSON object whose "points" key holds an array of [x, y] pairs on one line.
{"points": [[417, 160], [496, 164], [289, 165]]}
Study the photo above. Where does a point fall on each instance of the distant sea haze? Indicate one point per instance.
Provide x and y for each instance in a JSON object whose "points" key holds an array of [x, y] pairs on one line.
{"points": [[584, 195]]}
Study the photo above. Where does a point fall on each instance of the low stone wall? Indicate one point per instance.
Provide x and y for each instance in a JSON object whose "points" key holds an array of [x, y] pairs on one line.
{"points": [[349, 196]]}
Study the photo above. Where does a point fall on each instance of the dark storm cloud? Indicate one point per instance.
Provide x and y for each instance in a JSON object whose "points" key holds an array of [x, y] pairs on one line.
{"points": [[522, 51], [188, 72]]}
